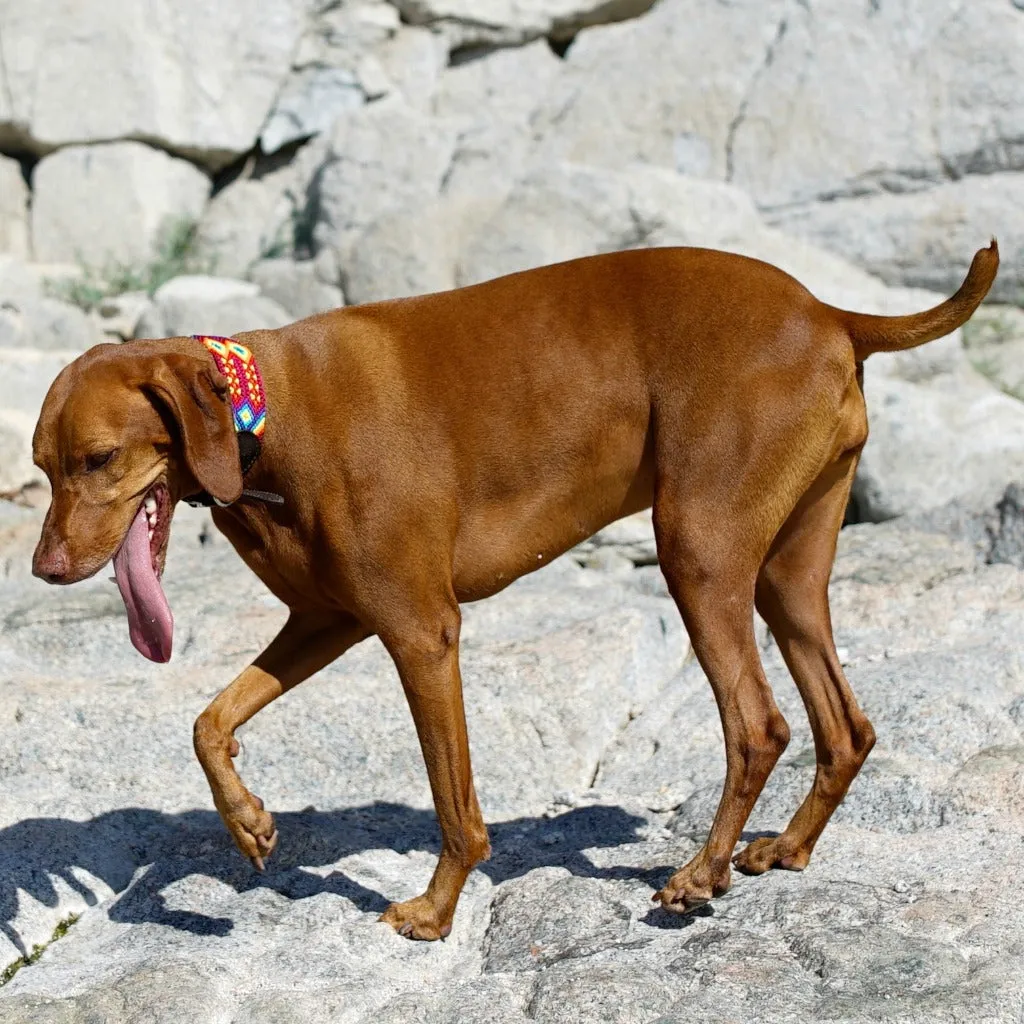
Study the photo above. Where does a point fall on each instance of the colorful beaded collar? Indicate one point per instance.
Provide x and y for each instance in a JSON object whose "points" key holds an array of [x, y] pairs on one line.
{"points": [[238, 366]]}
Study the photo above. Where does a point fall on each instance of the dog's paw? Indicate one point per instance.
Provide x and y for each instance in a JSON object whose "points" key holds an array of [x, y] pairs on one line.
{"points": [[417, 919], [251, 827], [768, 852], [691, 887]]}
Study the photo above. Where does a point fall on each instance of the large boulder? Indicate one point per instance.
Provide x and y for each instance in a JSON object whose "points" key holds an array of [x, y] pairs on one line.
{"points": [[783, 108], [39, 336], [381, 157], [263, 213], [629, 92], [351, 53], [822, 124], [475, 23], [194, 78], [14, 233], [994, 340], [302, 288], [599, 764], [111, 203], [922, 238], [951, 435], [199, 304]]}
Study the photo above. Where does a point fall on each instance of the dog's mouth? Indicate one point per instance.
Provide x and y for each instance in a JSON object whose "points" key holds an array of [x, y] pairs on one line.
{"points": [[138, 566]]}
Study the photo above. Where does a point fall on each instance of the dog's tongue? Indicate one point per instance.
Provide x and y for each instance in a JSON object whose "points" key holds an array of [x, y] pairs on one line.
{"points": [[150, 623]]}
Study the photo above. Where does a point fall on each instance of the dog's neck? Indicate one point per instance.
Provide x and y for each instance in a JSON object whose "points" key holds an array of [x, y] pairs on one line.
{"points": [[246, 395]]}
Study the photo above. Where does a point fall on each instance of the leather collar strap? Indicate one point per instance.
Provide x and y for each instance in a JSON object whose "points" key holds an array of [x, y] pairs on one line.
{"points": [[238, 366]]}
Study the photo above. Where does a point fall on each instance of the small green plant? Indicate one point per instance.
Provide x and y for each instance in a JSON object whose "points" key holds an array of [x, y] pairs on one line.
{"points": [[176, 253], [37, 950]]}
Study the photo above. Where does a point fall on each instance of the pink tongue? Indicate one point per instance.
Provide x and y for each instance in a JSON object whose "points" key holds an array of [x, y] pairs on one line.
{"points": [[150, 623]]}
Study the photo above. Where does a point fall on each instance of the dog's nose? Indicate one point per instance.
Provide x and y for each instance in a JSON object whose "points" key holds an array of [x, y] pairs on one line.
{"points": [[51, 564]]}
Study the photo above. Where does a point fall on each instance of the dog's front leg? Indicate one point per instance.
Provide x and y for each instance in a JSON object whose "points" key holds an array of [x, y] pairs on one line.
{"points": [[427, 658], [307, 643]]}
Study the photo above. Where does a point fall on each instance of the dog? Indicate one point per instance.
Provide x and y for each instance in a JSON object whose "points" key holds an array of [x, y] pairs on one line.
{"points": [[403, 457]]}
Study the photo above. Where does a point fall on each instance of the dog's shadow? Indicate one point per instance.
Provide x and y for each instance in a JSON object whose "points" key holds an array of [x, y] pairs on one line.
{"points": [[115, 845]]}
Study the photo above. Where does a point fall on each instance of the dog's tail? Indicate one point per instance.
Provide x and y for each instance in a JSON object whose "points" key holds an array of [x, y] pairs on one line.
{"points": [[871, 334]]}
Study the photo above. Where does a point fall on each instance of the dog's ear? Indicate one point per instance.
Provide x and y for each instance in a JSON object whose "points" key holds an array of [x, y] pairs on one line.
{"points": [[196, 397]]}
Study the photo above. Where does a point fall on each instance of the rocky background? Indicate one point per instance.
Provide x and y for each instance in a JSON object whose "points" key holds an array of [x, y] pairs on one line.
{"points": [[175, 167]]}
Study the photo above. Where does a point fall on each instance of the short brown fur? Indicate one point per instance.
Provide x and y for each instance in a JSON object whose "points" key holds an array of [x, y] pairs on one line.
{"points": [[431, 450]]}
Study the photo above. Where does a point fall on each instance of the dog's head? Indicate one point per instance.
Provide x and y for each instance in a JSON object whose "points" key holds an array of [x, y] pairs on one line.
{"points": [[124, 433]]}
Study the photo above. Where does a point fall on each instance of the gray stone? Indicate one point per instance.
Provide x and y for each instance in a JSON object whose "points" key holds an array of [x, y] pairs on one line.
{"points": [[110, 203], [198, 304], [994, 340], [263, 213], [924, 238], [296, 287], [411, 250], [382, 157], [504, 22], [909, 911], [196, 82], [14, 230], [45, 324], [119, 315], [25, 376], [951, 437], [309, 104], [1006, 528]]}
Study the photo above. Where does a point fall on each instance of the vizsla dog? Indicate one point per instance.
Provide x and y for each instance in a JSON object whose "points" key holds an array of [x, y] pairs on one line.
{"points": [[431, 450]]}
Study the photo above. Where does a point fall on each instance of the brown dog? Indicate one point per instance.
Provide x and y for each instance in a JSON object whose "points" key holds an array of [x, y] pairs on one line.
{"points": [[431, 450]]}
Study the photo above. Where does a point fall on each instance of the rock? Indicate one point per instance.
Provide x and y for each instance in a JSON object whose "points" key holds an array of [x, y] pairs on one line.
{"points": [[505, 22], [195, 304], [382, 157], [205, 289], [109, 204], [120, 315], [909, 910], [350, 53], [954, 436], [43, 324], [195, 82], [494, 98], [952, 66], [409, 63], [410, 250], [900, 191], [563, 211], [296, 287], [14, 233], [25, 377], [309, 104], [631, 539], [261, 214], [926, 238], [628, 93], [1006, 529], [994, 339]]}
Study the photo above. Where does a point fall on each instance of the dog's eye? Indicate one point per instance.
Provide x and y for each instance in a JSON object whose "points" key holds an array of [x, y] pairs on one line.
{"points": [[97, 460]]}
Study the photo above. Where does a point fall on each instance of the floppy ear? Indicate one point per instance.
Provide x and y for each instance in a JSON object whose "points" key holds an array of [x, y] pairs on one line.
{"points": [[197, 398]]}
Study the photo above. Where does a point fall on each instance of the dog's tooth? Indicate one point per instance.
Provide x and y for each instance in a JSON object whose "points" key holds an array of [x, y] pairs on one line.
{"points": [[151, 506]]}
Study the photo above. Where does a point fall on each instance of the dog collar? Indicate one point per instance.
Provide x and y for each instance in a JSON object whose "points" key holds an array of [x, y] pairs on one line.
{"points": [[237, 365]]}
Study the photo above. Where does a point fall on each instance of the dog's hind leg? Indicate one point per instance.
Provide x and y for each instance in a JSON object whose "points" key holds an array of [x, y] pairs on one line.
{"points": [[792, 597], [307, 643], [710, 552]]}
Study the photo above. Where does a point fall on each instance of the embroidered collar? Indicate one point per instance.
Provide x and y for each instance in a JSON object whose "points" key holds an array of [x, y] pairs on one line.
{"points": [[248, 408]]}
